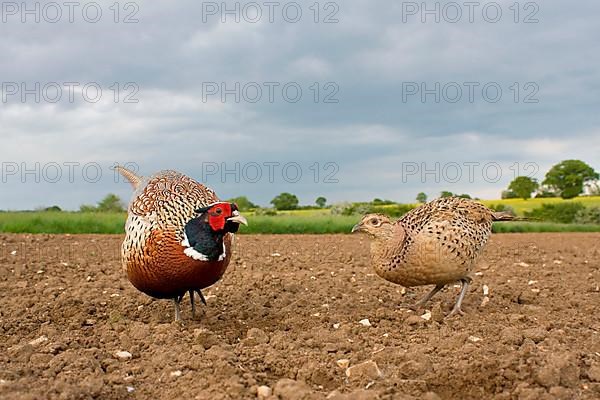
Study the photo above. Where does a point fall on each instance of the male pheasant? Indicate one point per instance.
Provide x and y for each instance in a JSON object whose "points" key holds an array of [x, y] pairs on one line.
{"points": [[437, 243], [178, 236]]}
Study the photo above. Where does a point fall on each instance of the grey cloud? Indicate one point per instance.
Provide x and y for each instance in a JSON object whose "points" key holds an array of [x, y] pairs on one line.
{"points": [[369, 133]]}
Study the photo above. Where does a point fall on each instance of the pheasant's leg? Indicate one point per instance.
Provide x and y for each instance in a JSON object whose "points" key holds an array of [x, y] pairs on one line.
{"points": [[428, 296], [193, 304], [201, 296], [465, 287], [176, 301]]}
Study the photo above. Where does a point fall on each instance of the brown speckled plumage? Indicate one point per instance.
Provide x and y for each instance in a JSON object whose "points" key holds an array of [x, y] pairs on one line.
{"points": [[437, 243], [152, 252]]}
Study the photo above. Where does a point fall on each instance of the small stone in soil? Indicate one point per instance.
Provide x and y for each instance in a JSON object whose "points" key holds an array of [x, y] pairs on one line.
{"points": [[38, 341], [263, 392], [367, 370], [123, 355]]}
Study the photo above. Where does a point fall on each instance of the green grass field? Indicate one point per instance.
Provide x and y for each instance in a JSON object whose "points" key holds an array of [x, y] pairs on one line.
{"points": [[73, 223], [293, 222], [521, 206], [298, 224], [61, 222]]}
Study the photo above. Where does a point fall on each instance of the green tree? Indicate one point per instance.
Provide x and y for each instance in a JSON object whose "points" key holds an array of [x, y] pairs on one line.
{"points": [[568, 178], [110, 203], [523, 186], [422, 198], [321, 202], [446, 193], [464, 196], [285, 201], [379, 202], [243, 203]]}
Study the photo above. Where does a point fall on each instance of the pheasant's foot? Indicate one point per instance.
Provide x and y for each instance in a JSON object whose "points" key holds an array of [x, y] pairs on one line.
{"points": [[418, 305], [457, 310], [191, 292]]}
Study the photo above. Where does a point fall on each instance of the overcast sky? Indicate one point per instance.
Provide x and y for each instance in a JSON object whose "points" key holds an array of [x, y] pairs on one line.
{"points": [[393, 102]]}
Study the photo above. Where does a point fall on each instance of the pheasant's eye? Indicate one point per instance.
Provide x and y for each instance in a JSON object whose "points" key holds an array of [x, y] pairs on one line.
{"points": [[374, 221], [218, 211]]}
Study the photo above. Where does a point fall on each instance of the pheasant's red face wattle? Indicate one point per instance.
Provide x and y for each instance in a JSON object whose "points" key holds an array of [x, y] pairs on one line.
{"points": [[218, 214]]}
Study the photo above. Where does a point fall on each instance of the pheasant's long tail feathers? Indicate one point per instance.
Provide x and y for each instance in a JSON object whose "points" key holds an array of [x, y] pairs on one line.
{"points": [[129, 175], [506, 216]]}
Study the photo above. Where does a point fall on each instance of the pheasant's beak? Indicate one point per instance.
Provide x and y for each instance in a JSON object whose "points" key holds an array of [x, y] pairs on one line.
{"points": [[357, 228], [238, 218]]}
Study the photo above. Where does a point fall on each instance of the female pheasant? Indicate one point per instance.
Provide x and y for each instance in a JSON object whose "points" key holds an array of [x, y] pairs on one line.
{"points": [[437, 243], [178, 236]]}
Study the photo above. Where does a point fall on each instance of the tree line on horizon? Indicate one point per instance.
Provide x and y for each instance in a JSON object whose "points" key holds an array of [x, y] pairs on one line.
{"points": [[567, 179]]}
